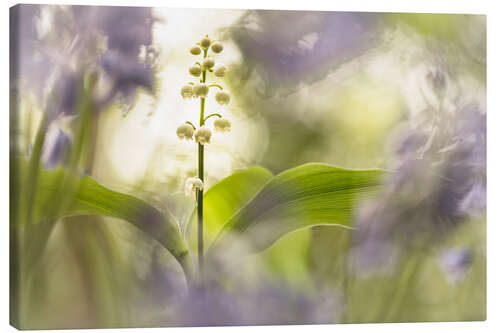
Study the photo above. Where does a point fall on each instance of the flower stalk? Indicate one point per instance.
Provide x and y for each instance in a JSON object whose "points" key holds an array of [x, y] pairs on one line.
{"points": [[199, 192], [202, 134]]}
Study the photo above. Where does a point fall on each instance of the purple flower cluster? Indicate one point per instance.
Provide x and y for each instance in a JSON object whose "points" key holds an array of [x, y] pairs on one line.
{"points": [[438, 181], [27, 64], [269, 303], [285, 54], [55, 47], [83, 38], [128, 29]]}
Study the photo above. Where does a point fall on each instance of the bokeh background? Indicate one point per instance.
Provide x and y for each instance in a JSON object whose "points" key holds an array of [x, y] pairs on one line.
{"points": [[401, 92]]}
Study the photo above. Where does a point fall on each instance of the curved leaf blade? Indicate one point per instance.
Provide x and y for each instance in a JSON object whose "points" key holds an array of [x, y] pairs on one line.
{"points": [[226, 197], [308, 195], [85, 196]]}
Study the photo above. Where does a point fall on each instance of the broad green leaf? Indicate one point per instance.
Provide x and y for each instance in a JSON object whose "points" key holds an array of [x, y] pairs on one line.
{"points": [[333, 267], [308, 195], [298, 259], [288, 257], [226, 197], [59, 194]]}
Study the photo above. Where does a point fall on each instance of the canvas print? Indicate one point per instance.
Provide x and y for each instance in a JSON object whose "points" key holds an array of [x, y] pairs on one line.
{"points": [[210, 167]]}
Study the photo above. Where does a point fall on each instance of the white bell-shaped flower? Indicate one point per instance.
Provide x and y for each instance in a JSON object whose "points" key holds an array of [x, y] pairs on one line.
{"points": [[187, 91], [205, 42], [191, 185], [220, 70], [202, 135], [217, 47], [195, 70], [222, 125], [185, 131], [195, 50], [200, 90], [222, 97], [207, 63]]}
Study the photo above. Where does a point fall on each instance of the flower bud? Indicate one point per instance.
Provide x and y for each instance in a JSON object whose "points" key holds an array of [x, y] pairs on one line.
{"points": [[222, 97], [195, 50], [200, 90], [207, 63], [222, 125], [217, 47], [185, 131], [187, 91], [202, 135], [191, 185], [195, 70], [220, 70], [205, 42]]}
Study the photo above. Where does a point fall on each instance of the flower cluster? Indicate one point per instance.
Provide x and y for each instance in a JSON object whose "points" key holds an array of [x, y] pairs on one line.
{"points": [[201, 90], [100, 38], [438, 182], [207, 49], [244, 305], [81, 40]]}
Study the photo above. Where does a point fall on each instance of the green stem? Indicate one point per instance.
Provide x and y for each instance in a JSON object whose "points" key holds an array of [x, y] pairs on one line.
{"points": [[213, 115], [36, 235], [200, 175], [34, 167], [190, 123], [404, 288], [200, 211], [216, 85]]}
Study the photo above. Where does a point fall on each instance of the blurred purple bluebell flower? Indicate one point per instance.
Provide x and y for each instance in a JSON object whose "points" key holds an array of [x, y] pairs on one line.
{"points": [[83, 38], [56, 148], [127, 75], [162, 280], [57, 47], [266, 304], [28, 64], [127, 28], [438, 181], [213, 306], [66, 91], [456, 263], [288, 48], [463, 191]]}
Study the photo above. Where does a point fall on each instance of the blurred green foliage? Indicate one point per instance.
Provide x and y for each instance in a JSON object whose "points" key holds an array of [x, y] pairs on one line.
{"points": [[96, 271]]}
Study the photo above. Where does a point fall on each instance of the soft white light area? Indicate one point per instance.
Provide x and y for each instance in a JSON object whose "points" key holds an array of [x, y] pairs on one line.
{"points": [[138, 136]]}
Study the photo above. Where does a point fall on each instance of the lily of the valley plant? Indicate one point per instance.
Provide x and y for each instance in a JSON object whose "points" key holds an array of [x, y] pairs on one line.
{"points": [[205, 49]]}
